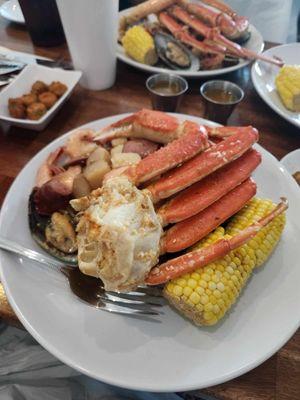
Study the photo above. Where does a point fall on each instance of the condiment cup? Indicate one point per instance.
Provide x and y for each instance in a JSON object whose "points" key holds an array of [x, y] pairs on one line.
{"points": [[218, 110], [161, 100]]}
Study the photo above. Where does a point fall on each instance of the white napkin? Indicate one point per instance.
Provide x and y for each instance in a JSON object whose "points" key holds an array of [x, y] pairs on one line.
{"points": [[29, 372]]}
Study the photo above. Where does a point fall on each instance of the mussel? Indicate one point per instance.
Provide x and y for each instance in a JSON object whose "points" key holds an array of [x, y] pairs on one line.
{"points": [[243, 38], [55, 233], [174, 54], [230, 61]]}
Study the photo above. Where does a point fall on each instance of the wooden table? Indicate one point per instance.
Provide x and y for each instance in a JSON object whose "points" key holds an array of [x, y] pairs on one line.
{"points": [[279, 377]]}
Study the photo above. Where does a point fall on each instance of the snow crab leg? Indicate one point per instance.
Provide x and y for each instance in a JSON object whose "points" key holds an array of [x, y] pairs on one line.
{"points": [[215, 36], [231, 25], [199, 258]]}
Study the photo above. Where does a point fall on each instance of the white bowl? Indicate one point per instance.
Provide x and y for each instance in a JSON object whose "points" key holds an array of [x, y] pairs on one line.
{"points": [[22, 84]]}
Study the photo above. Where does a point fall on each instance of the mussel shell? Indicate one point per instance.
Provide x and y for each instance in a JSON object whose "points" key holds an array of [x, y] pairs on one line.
{"points": [[161, 41], [230, 61], [37, 226], [243, 38]]}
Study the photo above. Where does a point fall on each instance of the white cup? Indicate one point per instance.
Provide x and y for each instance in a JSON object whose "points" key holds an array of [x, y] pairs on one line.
{"points": [[91, 28]]}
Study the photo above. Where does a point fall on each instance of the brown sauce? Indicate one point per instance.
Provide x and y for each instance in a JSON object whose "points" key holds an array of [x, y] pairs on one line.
{"points": [[220, 96], [167, 88], [85, 287]]}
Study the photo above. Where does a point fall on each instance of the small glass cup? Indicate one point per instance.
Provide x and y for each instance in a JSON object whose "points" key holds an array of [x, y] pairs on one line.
{"points": [[219, 110], [166, 91]]}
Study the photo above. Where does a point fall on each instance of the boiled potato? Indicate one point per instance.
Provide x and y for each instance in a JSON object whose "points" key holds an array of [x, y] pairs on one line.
{"points": [[100, 154], [81, 187], [124, 159], [94, 173], [116, 142], [117, 150]]}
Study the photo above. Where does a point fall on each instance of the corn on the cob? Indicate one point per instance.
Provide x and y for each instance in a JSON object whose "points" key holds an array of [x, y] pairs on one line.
{"points": [[288, 86], [207, 294], [139, 45]]}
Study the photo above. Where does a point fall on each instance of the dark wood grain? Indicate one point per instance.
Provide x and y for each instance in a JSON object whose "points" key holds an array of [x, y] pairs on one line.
{"points": [[279, 377]]}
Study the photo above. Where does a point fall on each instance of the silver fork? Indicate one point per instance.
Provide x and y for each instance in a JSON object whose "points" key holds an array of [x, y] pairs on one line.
{"points": [[144, 301]]}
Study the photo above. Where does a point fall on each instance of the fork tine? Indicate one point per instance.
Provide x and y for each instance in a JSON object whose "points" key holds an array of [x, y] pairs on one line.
{"points": [[115, 308], [155, 291], [139, 297], [132, 304]]}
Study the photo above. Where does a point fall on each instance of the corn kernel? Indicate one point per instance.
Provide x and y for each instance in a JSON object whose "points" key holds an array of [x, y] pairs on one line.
{"points": [[195, 298], [177, 290]]}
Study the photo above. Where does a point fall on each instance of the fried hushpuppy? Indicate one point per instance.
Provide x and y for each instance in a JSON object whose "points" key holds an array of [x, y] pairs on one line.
{"points": [[36, 110], [58, 88], [16, 108], [39, 87], [29, 98], [48, 98]]}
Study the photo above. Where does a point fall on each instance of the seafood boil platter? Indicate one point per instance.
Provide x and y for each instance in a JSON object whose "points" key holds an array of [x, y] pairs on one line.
{"points": [[193, 38], [171, 239], [149, 198]]}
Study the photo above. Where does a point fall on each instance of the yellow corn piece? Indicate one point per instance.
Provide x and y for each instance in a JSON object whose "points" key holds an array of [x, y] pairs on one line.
{"points": [[139, 45], [205, 295], [288, 86]]}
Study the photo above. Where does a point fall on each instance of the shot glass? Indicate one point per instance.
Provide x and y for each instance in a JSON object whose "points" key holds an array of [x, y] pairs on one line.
{"points": [[166, 91], [220, 99]]}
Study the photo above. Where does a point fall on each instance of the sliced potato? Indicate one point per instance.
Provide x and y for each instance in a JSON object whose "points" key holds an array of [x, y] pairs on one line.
{"points": [[117, 150], [124, 159], [81, 187], [100, 154], [94, 173], [116, 142]]}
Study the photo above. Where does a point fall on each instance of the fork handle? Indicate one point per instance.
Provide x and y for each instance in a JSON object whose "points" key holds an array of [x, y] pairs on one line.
{"points": [[16, 248]]}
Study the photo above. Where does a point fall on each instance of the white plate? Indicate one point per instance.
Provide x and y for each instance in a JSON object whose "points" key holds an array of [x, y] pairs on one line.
{"points": [[255, 43], [11, 10], [291, 161], [263, 77], [173, 355], [22, 84]]}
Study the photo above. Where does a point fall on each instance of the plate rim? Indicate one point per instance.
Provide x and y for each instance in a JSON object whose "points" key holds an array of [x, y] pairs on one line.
{"points": [[193, 75], [119, 382], [260, 92]]}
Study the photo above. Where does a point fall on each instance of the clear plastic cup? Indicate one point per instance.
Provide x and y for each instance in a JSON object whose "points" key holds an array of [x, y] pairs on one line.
{"points": [[91, 29]]}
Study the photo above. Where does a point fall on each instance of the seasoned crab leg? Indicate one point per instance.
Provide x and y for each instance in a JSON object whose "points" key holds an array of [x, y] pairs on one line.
{"points": [[214, 35], [188, 232], [147, 124], [145, 8], [202, 194], [230, 24], [193, 141], [199, 258], [152, 125], [220, 5], [202, 165], [180, 33]]}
